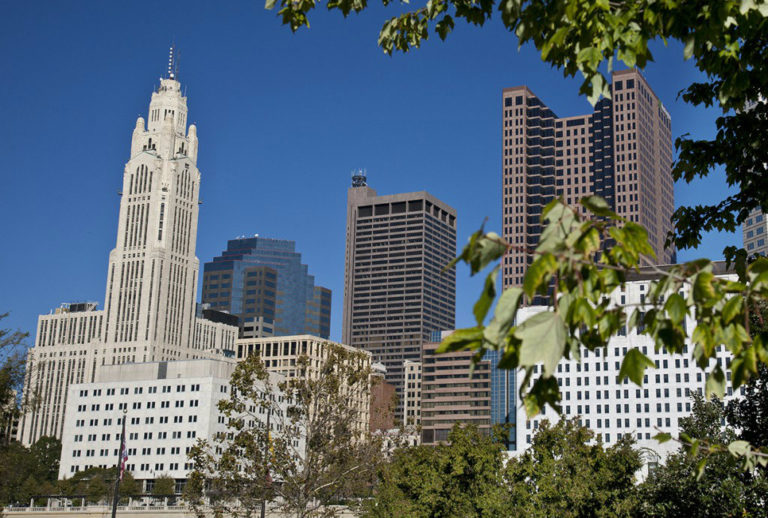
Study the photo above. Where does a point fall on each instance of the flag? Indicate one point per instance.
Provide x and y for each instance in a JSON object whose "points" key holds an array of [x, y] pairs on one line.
{"points": [[123, 453]]}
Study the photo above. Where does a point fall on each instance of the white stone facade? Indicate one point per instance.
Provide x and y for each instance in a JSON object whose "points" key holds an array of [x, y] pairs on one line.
{"points": [[590, 389], [149, 310], [412, 393], [168, 407]]}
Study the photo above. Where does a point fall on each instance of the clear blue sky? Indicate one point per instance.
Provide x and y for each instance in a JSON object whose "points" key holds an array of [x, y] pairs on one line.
{"points": [[282, 120]]}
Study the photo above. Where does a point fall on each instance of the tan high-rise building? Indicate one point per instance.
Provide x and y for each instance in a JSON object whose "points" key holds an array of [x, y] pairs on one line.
{"points": [[451, 392], [151, 287], [395, 290], [622, 151]]}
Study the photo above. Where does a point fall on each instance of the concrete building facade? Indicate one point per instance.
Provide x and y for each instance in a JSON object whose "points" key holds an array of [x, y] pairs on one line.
{"points": [[412, 393], [168, 407], [755, 233], [590, 389], [395, 290], [149, 313], [451, 393], [280, 354], [622, 152]]}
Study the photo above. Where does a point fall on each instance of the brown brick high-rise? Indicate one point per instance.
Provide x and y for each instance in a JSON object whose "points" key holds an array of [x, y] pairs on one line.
{"points": [[395, 290], [622, 152]]}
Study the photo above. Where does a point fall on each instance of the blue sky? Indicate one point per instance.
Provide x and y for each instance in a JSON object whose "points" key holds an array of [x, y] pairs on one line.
{"points": [[282, 120]]}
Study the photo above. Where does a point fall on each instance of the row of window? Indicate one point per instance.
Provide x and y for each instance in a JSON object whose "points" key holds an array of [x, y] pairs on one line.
{"points": [[140, 390]]}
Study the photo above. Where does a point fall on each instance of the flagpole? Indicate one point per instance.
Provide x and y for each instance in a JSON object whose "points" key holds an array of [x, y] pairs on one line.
{"points": [[119, 476], [266, 465]]}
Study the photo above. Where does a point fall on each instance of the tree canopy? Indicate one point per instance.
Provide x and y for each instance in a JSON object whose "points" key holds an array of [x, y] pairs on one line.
{"points": [[684, 486], [460, 479], [315, 452], [564, 473]]}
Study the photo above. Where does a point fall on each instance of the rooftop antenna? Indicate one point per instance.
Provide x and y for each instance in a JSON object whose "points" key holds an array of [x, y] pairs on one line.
{"points": [[359, 179], [171, 64]]}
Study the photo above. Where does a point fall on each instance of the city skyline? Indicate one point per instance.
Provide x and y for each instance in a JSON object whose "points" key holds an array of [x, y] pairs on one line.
{"points": [[40, 193]]}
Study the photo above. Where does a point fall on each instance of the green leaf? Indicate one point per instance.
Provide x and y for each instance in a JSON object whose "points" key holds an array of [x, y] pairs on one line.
{"points": [[543, 340], [599, 207], [483, 303], [715, 382], [662, 437], [739, 448], [269, 4], [538, 273], [688, 49], [676, 308], [503, 315], [544, 391], [462, 339], [732, 308], [700, 468], [634, 365], [703, 291]]}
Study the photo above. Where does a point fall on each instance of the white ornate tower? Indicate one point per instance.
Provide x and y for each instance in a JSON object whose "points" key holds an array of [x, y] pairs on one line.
{"points": [[149, 309], [152, 277]]}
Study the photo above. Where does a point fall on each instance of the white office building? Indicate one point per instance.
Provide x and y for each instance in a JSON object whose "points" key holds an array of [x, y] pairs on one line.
{"points": [[151, 286], [168, 406], [591, 391]]}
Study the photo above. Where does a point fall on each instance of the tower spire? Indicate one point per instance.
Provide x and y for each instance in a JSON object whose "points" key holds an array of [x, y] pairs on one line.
{"points": [[172, 65]]}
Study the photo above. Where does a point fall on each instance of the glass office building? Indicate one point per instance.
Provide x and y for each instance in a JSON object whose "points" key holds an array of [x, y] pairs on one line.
{"points": [[503, 397], [264, 282]]}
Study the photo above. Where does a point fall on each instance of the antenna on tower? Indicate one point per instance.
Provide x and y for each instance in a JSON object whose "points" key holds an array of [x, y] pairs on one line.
{"points": [[359, 179], [171, 63]]}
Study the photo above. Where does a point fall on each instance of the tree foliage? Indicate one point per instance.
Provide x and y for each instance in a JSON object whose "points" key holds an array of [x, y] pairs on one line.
{"points": [[164, 486], [28, 472], [317, 451], [582, 315], [566, 472], [11, 374], [687, 486], [460, 479]]}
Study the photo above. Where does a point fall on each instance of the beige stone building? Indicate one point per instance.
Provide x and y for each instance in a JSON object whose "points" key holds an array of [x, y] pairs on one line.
{"points": [[412, 393], [152, 277], [451, 394], [280, 354]]}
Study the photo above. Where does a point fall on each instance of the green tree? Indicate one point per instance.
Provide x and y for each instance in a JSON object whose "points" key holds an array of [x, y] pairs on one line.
{"points": [[16, 466], [164, 486], [723, 488], [316, 453], [45, 455], [749, 414], [11, 371], [99, 488], [129, 486], [25, 472], [566, 472], [460, 479]]}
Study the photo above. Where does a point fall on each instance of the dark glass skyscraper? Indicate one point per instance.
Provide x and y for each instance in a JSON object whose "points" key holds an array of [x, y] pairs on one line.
{"points": [[503, 397], [263, 281]]}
